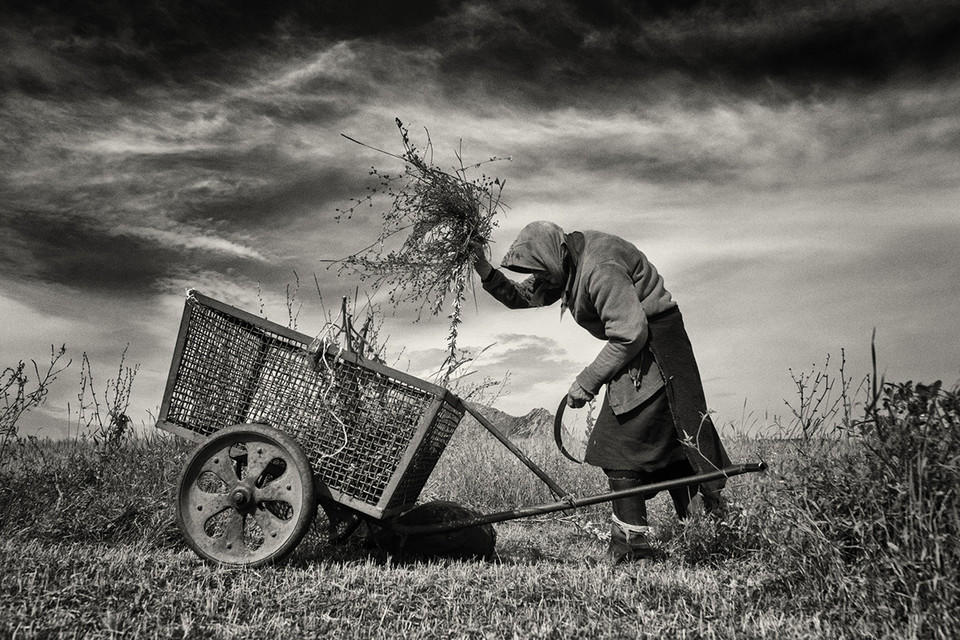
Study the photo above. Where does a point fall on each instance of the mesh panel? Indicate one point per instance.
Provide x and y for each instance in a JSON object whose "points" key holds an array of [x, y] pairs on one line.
{"points": [[432, 445], [355, 424]]}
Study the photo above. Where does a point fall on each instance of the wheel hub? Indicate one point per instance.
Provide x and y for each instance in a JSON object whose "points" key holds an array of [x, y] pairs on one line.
{"points": [[242, 498]]}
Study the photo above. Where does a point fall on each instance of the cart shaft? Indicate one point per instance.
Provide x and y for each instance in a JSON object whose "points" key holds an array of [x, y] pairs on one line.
{"points": [[573, 502]]}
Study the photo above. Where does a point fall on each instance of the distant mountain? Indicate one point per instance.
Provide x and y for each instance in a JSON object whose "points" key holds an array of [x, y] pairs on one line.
{"points": [[538, 422]]}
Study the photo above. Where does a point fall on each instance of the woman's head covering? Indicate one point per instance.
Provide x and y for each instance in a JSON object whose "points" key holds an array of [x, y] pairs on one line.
{"points": [[539, 247]]}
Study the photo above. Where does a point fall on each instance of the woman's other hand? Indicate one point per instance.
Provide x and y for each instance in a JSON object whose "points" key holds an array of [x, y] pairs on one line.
{"points": [[578, 396]]}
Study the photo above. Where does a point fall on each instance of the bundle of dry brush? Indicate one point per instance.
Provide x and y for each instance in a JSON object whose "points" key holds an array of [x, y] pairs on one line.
{"points": [[431, 222]]}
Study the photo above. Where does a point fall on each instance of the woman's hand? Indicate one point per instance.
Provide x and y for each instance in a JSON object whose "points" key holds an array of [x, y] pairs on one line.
{"points": [[480, 263], [578, 396]]}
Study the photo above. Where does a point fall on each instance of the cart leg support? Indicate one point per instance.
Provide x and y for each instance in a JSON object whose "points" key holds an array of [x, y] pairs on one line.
{"points": [[540, 473]]}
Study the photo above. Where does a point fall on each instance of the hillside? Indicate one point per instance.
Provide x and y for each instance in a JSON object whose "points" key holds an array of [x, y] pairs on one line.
{"points": [[538, 421]]}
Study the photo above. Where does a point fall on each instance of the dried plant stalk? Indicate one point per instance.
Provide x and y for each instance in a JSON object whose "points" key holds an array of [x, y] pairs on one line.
{"points": [[441, 216]]}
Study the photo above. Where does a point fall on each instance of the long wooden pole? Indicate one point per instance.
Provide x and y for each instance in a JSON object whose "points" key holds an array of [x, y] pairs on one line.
{"points": [[574, 502]]}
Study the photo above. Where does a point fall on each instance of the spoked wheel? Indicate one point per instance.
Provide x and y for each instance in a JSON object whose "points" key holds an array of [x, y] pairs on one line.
{"points": [[246, 496]]}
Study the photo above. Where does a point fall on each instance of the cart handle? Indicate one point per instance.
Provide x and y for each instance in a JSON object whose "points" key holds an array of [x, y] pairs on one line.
{"points": [[573, 502]]}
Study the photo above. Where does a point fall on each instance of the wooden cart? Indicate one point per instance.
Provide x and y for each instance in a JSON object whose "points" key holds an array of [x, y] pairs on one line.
{"points": [[283, 425]]}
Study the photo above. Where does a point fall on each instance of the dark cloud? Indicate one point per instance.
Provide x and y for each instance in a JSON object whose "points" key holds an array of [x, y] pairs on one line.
{"points": [[248, 189], [118, 46], [70, 251], [88, 256], [815, 41], [573, 51], [556, 51], [43, 60], [304, 192]]}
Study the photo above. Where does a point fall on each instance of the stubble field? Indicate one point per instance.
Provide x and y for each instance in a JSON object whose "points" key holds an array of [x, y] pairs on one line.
{"points": [[851, 533]]}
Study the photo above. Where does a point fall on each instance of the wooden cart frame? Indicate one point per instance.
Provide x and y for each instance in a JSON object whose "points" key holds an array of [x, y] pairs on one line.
{"points": [[284, 421]]}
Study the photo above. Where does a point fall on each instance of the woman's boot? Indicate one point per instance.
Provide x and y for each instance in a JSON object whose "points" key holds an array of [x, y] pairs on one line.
{"points": [[630, 534], [682, 497]]}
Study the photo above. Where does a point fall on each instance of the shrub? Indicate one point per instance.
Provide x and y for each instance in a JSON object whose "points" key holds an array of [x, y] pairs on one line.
{"points": [[909, 520], [18, 398], [857, 518]]}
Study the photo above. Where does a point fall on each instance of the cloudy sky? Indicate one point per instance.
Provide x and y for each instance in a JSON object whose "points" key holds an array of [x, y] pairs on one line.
{"points": [[791, 166]]}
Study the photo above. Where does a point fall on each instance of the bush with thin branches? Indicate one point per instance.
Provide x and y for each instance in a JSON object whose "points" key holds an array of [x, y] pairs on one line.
{"points": [[860, 510], [18, 398]]}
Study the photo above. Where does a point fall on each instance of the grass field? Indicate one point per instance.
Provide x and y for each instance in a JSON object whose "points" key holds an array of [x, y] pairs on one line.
{"points": [[851, 533]]}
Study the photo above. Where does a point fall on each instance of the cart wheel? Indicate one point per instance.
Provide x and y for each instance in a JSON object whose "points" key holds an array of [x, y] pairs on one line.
{"points": [[246, 496]]}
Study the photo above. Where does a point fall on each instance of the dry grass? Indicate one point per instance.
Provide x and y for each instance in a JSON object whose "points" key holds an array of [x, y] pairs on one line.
{"points": [[851, 533], [101, 591]]}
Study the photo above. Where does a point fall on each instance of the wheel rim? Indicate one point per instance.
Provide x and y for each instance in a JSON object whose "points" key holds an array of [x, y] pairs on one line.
{"points": [[246, 496]]}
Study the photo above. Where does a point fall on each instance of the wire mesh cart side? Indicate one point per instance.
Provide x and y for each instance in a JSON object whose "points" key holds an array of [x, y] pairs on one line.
{"points": [[371, 434]]}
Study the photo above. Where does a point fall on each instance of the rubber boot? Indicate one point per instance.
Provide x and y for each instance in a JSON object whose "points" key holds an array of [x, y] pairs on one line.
{"points": [[681, 496], [629, 531], [681, 500]]}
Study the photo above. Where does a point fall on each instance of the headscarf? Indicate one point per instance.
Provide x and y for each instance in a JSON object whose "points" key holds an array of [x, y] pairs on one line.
{"points": [[539, 247]]}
